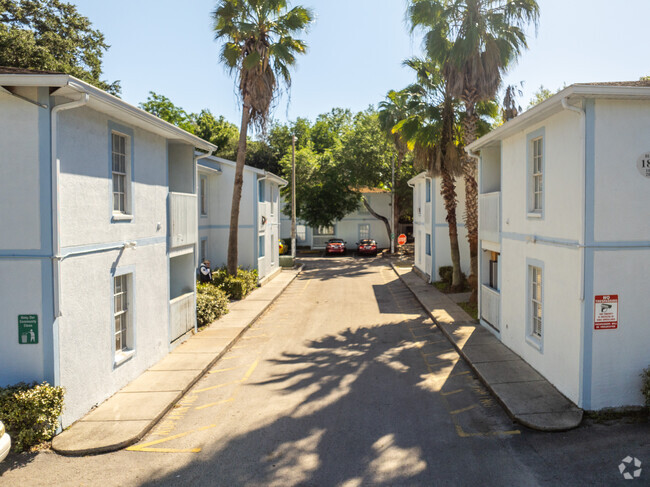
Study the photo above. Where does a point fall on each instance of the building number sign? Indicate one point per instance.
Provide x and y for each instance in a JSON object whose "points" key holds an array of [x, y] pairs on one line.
{"points": [[643, 164]]}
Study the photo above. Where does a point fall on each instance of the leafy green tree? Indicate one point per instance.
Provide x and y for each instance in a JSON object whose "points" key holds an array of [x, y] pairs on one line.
{"points": [[259, 47], [51, 35], [329, 129], [543, 94], [474, 41], [162, 107], [218, 131]]}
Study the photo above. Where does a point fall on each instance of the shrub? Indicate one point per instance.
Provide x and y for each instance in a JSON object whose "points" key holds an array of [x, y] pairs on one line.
{"points": [[237, 287], [446, 273], [645, 385], [211, 303], [30, 412]]}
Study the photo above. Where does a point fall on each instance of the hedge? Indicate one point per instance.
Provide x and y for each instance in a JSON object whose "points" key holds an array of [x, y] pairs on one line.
{"points": [[211, 303], [237, 287], [30, 412]]}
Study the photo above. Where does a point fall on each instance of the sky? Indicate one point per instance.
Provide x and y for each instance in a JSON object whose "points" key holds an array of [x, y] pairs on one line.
{"points": [[356, 49]]}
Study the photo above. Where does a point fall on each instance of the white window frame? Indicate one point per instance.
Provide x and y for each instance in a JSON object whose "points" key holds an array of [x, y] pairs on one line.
{"points": [[261, 190], [427, 184], [123, 212], [274, 190], [203, 249], [427, 244], [535, 304], [123, 308], [364, 226], [203, 196], [536, 162]]}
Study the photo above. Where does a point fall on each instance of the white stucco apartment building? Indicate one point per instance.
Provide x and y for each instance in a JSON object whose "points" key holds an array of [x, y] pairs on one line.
{"points": [[98, 237], [354, 227], [430, 228], [259, 216], [565, 239]]}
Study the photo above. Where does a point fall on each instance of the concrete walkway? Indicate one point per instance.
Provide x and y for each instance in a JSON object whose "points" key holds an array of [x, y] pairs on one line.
{"points": [[527, 396], [127, 416]]}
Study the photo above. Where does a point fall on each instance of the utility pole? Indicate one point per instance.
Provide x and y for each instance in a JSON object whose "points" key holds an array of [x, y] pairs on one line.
{"points": [[293, 197], [392, 205]]}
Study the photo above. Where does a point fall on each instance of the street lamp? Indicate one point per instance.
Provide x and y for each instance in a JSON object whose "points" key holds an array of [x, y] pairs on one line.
{"points": [[293, 197]]}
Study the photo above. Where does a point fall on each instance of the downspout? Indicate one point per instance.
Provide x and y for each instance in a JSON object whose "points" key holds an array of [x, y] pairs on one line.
{"points": [[56, 235], [196, 249], [581, 238]]}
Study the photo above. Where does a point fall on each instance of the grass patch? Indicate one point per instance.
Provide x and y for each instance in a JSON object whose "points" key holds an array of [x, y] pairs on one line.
{"points": [[445, 287], [470, 309]]}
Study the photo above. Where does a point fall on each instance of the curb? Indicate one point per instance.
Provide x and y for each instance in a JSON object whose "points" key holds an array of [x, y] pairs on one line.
{"points": [[460, 351], [134, 439]]}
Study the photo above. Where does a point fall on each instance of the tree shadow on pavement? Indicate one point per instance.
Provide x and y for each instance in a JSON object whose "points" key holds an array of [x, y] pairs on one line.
{"points": [[365, 410]]}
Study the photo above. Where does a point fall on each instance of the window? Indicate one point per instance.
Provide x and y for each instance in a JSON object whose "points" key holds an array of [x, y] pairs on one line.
{"points": [[260, 191], [119, 172], [535, 305], [537, 174], [203, 251], [261, 251], [494, 271], [535, 154], [428, 185], [203, 195], [428, 244], [321, 230], [364, 231], [274, 196], [122, 317]]}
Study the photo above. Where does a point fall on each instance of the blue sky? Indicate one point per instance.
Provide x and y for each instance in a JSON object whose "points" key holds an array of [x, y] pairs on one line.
{"points": [[356, 48]]}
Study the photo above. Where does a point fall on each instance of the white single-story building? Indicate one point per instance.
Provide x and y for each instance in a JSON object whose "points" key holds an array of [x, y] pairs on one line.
{"points": [[259, 216], [430, 228], [98, 235], [354, 227], [565, 239]]}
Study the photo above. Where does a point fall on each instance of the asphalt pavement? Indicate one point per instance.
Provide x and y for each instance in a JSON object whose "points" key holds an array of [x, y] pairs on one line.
{"points": [[346, 381]]}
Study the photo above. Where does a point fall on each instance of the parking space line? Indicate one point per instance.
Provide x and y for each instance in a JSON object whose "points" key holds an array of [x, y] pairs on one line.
{"points": [[145, 446], [452, 392], [462, 410], [211, 404], [216, 371]]}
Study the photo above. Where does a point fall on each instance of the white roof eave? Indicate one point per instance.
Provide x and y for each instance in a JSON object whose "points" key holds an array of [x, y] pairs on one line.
{"points": [[106, 103], [553, 105]]}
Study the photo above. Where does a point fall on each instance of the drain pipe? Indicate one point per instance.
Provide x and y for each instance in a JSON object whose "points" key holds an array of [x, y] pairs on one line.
{"points": [[56, 235], [581, 238]]}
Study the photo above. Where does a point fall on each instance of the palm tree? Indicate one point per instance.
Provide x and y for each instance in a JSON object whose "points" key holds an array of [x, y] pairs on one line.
{"points": [[259, 48], [431, 130], [391, 111], [476, 40]]}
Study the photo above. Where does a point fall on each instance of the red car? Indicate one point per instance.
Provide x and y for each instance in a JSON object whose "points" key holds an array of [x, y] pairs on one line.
{"points": [[367, 247], [335, 246]]}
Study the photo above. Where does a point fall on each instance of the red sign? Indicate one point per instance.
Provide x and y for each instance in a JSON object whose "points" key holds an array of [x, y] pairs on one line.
{"points": [[606, 312], [401, 240]]}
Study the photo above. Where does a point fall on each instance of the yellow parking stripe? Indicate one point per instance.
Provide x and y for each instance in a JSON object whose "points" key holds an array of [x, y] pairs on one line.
{"points": [[144, 446], [211, 404], [468, 408]]}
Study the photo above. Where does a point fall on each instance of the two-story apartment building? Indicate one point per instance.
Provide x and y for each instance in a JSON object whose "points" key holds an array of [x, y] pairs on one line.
{"points": [[430, 227], [98, 237], [565, 239], [358, 225], [259, 216]]}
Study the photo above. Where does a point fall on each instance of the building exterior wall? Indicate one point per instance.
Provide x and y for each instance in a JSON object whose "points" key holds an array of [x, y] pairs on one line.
{"points": [[215, 226], [25, 236], [602, 223], [618, 262], [77, 349], [430, 218]]}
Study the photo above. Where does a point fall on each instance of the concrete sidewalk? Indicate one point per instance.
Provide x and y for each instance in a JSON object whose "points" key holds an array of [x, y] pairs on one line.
{"points": [[527, 396], [127, 416]]}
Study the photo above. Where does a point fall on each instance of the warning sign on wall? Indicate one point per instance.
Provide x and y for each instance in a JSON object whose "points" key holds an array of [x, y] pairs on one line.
{"points": [[606, 312]]}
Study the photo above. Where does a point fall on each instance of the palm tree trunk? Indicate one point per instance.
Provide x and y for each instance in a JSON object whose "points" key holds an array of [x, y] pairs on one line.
{"points": [[397, 201], [471, 197], [448, 192], [377, 216], [236, 192]]}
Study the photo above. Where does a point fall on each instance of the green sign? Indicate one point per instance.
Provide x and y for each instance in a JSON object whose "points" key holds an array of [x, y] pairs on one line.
{"points": [[28, 329]]}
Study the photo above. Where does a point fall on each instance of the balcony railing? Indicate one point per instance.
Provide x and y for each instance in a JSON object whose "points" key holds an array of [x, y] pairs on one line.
{"points": [[182, 314], [490, 305], [489, 216], [183, 224]]}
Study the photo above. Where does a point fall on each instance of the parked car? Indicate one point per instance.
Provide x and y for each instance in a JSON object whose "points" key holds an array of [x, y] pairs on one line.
{"points": [[283, 247], [5, 442], [335, 246], [367, 247]]}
